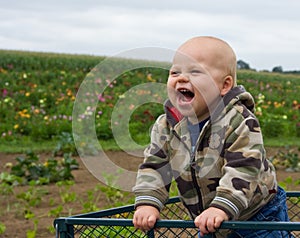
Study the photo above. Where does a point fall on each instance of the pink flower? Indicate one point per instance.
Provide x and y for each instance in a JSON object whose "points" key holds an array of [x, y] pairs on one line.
{"points": [[100, 98], [4, 93]]}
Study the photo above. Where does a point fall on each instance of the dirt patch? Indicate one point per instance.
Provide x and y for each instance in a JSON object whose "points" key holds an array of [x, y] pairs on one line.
{"points": [[12, 209]]}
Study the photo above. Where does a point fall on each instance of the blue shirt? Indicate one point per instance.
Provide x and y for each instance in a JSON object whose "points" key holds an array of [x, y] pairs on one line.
{"points": [[194, 130]]}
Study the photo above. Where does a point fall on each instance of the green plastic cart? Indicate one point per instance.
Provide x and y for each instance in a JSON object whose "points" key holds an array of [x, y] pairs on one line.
{"points": [[117, 222]]}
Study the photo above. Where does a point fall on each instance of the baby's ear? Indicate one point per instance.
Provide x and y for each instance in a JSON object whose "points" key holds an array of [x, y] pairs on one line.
{"points": [[228, 83]]}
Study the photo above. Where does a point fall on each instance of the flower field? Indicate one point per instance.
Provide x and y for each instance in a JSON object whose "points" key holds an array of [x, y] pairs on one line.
{"points": [[277, 102], [38, 91]]}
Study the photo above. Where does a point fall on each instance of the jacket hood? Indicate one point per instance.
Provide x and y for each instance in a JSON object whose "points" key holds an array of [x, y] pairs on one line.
{"points": [[236, 95]]}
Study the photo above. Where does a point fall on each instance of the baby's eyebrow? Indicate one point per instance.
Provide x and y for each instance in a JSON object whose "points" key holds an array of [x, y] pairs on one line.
{"points": [[174, 68], [196, 66], [187, 67]]}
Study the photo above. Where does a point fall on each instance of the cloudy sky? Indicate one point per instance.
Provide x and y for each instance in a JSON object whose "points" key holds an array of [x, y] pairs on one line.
{"points": [[264, 33]]}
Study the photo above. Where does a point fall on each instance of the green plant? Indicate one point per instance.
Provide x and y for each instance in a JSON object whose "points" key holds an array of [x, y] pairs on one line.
{"points": [[173, 189], [51, 229], [89, 204], [9, 180], [30, 199], [2, 228], [114, 231], [115, 196], [289, 183], [289, 159], [293, 161], [64, 170], [65, 144], [26, 167], [52, 170], [32, 233], [66, 197], [56, 212], [7, 184]]}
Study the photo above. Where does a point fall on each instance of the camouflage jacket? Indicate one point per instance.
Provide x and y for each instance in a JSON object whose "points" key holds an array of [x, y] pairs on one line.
{"points": [[228, 169]]}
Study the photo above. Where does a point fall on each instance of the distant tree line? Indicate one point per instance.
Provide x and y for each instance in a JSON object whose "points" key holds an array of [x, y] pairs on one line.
{"points": [[277, 69]]}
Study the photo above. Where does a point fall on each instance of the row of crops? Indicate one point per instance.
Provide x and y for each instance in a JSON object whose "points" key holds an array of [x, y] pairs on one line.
{"points": [[38, 91]]}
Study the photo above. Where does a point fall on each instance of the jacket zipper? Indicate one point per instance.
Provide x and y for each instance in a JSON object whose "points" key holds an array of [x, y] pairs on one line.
{"points": [[193, 171]]}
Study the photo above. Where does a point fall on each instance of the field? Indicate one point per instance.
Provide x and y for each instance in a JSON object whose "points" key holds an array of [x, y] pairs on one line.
{"points": [[51, 104], [84, 195], [43, 94]]}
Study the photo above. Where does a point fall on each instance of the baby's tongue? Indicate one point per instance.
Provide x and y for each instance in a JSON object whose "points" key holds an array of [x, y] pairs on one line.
{"points": [[186, 97]]}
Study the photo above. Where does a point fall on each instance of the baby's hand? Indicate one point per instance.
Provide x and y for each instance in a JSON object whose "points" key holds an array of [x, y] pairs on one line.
{"points": [[210, 219], [145, 217]]}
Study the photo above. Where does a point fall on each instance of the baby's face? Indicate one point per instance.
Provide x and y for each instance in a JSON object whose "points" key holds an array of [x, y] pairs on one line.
{"points": [[193, 85]]}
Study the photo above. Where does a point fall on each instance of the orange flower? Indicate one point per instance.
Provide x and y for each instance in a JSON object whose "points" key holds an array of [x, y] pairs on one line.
{"points": [[24, 113]]}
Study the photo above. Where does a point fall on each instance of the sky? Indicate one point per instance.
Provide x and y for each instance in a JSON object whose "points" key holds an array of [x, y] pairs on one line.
{"points": [[263, 34]]}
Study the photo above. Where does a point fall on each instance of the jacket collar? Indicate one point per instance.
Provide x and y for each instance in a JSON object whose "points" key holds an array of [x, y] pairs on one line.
{"points": [[235, 95]]}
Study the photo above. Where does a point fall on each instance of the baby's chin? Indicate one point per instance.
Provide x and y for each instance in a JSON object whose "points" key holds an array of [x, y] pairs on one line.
{"points": [[186, 110], [189, 111]]}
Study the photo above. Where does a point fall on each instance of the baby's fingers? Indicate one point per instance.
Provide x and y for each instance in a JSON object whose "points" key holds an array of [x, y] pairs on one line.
{"points": [[144, 223], [151, 221], [211, 225], [201, 224], [218, 222]]}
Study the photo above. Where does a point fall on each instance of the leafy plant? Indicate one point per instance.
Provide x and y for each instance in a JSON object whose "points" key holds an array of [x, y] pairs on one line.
{"points": [[2, 228], [30, 199], [288, 159], [9, 180], [32, 233], [57, 211], [293, 161], [115, 196], [288, 183], [89, 204], [52, 170], [66, 197], [65, 144]]}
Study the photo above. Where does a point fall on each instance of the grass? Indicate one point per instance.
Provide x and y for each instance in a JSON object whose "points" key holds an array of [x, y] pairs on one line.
{"points": [[281, 142], [23, 146]]}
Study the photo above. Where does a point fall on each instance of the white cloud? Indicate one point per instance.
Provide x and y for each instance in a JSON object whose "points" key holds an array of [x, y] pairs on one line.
{"points": [[263, 33]]}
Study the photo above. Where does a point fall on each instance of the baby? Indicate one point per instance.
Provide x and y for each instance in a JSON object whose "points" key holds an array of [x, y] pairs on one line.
{"points": [[210, 142]]}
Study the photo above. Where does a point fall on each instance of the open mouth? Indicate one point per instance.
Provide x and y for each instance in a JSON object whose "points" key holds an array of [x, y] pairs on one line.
{"points": [[186, 95]]}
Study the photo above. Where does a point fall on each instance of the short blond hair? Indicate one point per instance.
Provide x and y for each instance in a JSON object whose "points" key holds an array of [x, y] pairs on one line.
{"points": [[224, 54]]}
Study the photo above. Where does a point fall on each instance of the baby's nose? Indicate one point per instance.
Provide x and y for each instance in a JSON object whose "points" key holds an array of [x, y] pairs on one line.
{"points": [[183, 78]]}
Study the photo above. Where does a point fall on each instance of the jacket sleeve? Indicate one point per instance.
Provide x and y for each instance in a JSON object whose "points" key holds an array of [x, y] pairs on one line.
{"points": [[247, 175], [154, 174]]}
